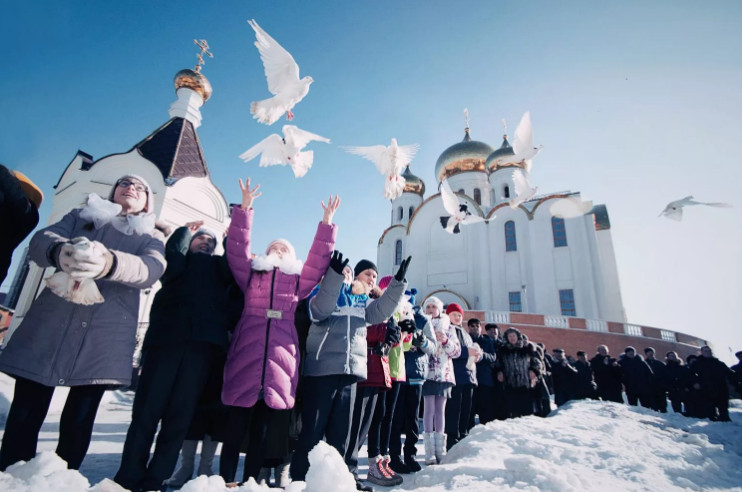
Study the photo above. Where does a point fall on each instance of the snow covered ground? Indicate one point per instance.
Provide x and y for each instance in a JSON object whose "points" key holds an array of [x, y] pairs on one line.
{"points": [[585, 445]]}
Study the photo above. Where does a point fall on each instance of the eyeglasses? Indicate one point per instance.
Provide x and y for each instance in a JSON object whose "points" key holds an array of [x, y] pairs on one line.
{"points": [[125, 183]]}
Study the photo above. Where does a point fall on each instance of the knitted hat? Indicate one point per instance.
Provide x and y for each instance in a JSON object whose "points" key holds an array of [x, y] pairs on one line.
{"points": [[454, 308], [411, 293], [204, 232], [629, 349], [285, 242], [32, 192], [435, 301], [149, 206], [384, 282], [364, 265]]}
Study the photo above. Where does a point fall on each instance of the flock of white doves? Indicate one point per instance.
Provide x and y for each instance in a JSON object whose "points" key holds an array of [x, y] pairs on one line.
{"points": [[288, 90]]}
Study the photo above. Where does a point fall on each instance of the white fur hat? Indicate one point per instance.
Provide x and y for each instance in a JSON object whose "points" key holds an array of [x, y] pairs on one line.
{"points": [[286, 243], [435, 301]]}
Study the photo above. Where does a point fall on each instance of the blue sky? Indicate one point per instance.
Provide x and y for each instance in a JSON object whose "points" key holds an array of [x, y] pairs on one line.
{"points": [[636, 104]]}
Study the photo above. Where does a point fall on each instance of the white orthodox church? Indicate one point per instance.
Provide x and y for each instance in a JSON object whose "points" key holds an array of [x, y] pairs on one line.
{"points": [[172, 162], [521, 260]]}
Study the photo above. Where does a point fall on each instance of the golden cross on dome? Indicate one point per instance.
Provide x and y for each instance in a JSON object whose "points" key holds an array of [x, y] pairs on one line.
{"points": [[201, 43], [504, 127], [466, 116]]}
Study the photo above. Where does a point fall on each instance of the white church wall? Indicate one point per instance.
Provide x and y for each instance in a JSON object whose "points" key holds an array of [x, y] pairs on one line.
{"points": [[469, 181]]}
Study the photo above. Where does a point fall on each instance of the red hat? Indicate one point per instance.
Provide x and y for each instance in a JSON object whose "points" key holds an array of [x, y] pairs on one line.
{"points": [[454, 308], [384, 282]]}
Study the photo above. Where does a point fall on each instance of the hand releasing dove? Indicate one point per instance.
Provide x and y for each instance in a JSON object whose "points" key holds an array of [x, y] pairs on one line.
{"points": [[523, 190], [285, 150], [523, 142], [76, 289], [390, 161], [674, 210], [282, 73], [458, 210]]}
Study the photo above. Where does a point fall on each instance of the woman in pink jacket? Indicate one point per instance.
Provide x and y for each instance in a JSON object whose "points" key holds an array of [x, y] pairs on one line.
{"points": [[262, 368]]}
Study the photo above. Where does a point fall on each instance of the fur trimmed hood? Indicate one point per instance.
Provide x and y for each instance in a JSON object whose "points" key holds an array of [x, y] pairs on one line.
{"points": [[266, 263]]}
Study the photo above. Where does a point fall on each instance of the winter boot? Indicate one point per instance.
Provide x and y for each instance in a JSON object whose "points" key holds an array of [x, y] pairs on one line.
{"points": [[440, 446], [281, 475], [206, 460], [187, 460], [385, 461], [264, 476], [412, 464], [377, 473], [429, 442], [396, 464]]}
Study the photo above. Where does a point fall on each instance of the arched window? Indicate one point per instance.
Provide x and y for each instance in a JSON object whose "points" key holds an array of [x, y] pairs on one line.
{"points": [[510, 244], [558, 231], [477, 196], [400, 213], [412, 210], [506, 191], [398, 252], [462, 191]]}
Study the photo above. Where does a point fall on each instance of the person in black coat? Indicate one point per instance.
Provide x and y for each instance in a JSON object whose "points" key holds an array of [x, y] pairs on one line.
{"points": [[637, 378], [563, 377], [189, 323], [20, 200], [676, 377], [483, 403], [607, 374], [519, 369], [710, 377], [659, 382], [585, 388]]}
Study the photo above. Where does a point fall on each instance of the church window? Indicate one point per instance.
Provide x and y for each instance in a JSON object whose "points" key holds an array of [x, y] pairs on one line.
{"points": [[462, 191], [400, 213], [567, 302], [510, 244], [412, 210], [506, 191], [558, 231], [477, 196], [515, 303], [398, 252]]}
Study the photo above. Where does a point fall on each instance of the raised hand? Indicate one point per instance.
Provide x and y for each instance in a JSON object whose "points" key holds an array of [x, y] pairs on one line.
{"points": [[399, 276], [330, 209], [337, 263], [248, 195], [194, 225]]}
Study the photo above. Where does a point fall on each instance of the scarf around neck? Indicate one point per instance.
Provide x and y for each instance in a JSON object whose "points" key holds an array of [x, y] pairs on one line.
{"points": [[102, 212]]}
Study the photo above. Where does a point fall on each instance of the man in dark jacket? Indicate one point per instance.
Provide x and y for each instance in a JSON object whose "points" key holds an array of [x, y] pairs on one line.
{"points": [[20, 200], [189, 325], [586, 386], [484, 393], [710, 377], [563, 377], [637, 378], [607, 375], [659, 383], [676, 374]]}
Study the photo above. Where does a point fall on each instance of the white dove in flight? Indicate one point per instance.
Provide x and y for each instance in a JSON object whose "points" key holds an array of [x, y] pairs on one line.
{"points": [[523, 190], [284, 83], [523, 142], [77, 290], [570, 207], [390, 161], [285, 150], [674, 210], [458, 210]]}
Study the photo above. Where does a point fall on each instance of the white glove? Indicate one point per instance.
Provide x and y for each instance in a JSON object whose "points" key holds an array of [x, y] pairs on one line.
{"points": [[89, 259], [64, 258]]}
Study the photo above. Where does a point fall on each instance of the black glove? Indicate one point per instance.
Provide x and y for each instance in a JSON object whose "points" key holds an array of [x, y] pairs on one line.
{"points": [[418, 338], [393, 333], [336, 262], [399, 276], [407, 326], [381, 349]]}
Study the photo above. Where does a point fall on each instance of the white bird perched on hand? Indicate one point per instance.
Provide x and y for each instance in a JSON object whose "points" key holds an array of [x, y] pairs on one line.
{"points": [[458, 210], [523, 190], [80, 289], [674, 210], [284, 83], [390, 161], [285, 150]]}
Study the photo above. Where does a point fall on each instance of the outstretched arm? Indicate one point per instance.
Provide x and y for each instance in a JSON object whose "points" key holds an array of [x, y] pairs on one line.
{"points": [[319, 255], [238, 237]]}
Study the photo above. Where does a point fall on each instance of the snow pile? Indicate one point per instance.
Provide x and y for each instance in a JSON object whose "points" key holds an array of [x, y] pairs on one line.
{"points": [[46, 472], [327, 471]]}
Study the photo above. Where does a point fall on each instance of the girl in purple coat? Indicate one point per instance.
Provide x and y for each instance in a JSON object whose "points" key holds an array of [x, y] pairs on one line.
{"points": [[262, 368]]}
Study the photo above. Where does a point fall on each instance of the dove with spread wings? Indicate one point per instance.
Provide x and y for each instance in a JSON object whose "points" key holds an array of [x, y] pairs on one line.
{"points": [[285, 150], [523, 148], [284, 83], [390, 161], [523, 190], [674, 210], [458, 210]]}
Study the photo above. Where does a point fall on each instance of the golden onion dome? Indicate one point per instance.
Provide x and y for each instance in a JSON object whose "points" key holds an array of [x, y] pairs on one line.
{"points": [[195, 81], [467, 155], [412, 184], [502, 157]]}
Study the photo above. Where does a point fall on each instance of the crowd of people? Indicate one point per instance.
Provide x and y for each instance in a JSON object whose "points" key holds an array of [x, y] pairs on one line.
{"points": [[269, 354]]}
